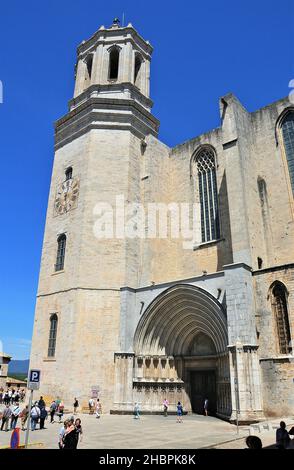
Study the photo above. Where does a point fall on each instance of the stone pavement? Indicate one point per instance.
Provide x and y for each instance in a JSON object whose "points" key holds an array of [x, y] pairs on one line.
{"points": [[151, 432], [124, 432], [265, 430]]}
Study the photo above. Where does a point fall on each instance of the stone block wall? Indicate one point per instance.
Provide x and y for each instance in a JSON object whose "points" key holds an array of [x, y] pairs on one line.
{"points": [[278, 386], [277, 370]]}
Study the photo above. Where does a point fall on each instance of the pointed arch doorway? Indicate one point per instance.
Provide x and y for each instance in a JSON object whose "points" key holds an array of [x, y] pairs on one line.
{"points": [[200, 369], [180, 352]]}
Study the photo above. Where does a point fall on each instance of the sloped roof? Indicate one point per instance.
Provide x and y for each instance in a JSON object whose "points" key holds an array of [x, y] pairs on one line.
{"points": [[2, 354], [15, 381]]}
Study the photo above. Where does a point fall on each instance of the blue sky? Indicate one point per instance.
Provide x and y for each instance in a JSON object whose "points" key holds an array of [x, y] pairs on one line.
{"points": [[202, 50]]}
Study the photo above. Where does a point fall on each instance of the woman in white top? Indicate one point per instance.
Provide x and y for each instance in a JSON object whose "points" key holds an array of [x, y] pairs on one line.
{"points": [[98, 409]]}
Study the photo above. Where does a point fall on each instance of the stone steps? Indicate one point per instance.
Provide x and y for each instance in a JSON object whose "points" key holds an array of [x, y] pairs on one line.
{"points": [[266, 426]]}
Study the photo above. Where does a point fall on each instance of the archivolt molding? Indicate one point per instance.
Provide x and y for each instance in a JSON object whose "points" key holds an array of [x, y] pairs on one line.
{"points": [[175, 317], [114, 46]]}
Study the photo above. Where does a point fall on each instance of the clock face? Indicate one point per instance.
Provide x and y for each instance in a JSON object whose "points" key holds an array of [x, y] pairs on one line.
{"points": [[66, 196]]}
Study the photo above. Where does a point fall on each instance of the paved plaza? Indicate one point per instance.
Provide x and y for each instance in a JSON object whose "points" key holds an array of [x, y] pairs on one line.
{"points": [[151, 432]]}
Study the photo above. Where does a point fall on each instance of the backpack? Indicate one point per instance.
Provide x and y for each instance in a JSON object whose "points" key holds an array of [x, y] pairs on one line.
{"points": [[35, 412]]}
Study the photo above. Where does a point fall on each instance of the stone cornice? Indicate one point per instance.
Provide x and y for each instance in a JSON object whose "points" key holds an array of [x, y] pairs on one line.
{"points": [[245, 347], [281, 358], [92, 48], [125, 87], [103, 34], [124, 354], [173, 283], [272, 269], [105, 113], [245, 266]]}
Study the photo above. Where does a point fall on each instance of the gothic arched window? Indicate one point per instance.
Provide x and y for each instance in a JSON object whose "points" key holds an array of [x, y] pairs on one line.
{"points": [[205, 162], [68, 173], [287, 127], [280, 310], [52, 335], [113, 63], [61, 241]]}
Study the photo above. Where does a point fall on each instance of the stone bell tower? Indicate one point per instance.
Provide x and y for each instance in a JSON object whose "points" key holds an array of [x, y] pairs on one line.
{"points": [[98, 146], [114, 65], [114, 56]]}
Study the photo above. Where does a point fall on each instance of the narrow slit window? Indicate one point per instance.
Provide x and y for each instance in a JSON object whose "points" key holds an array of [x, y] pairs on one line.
{"points": [[61, 244], [68, 174], [137, 71], [288, 138], [52, 335], [113, 64], [89, 64]]}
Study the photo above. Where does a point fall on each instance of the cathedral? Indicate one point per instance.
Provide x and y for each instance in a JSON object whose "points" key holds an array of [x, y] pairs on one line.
{"points": [[203, 307]]}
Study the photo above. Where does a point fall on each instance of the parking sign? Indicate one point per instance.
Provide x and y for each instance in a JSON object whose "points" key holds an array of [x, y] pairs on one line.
{"points": [[34, 379]]}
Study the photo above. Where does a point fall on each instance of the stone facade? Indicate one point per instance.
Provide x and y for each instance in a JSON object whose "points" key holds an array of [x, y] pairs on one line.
{"points": [[4, 363], [145, 318]]}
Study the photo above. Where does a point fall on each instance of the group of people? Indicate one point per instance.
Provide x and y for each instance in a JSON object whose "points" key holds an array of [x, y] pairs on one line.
{"points": [[38, 414], [56, 409], [70, 434], [165, 404], [283, 440], [95, 406], [10, 414], [11, 396], [179, 410]]}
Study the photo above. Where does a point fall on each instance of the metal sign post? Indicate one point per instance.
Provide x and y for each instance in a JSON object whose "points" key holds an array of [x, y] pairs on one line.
{"points": [[29, 419], [33, 384]]}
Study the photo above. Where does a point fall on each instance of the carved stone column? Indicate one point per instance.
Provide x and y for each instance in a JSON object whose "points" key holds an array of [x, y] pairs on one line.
{"points": [[245, 383], [124, 371]]}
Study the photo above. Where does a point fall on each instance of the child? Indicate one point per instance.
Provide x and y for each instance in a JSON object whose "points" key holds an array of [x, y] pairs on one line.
{"points": [[179, 412]]}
